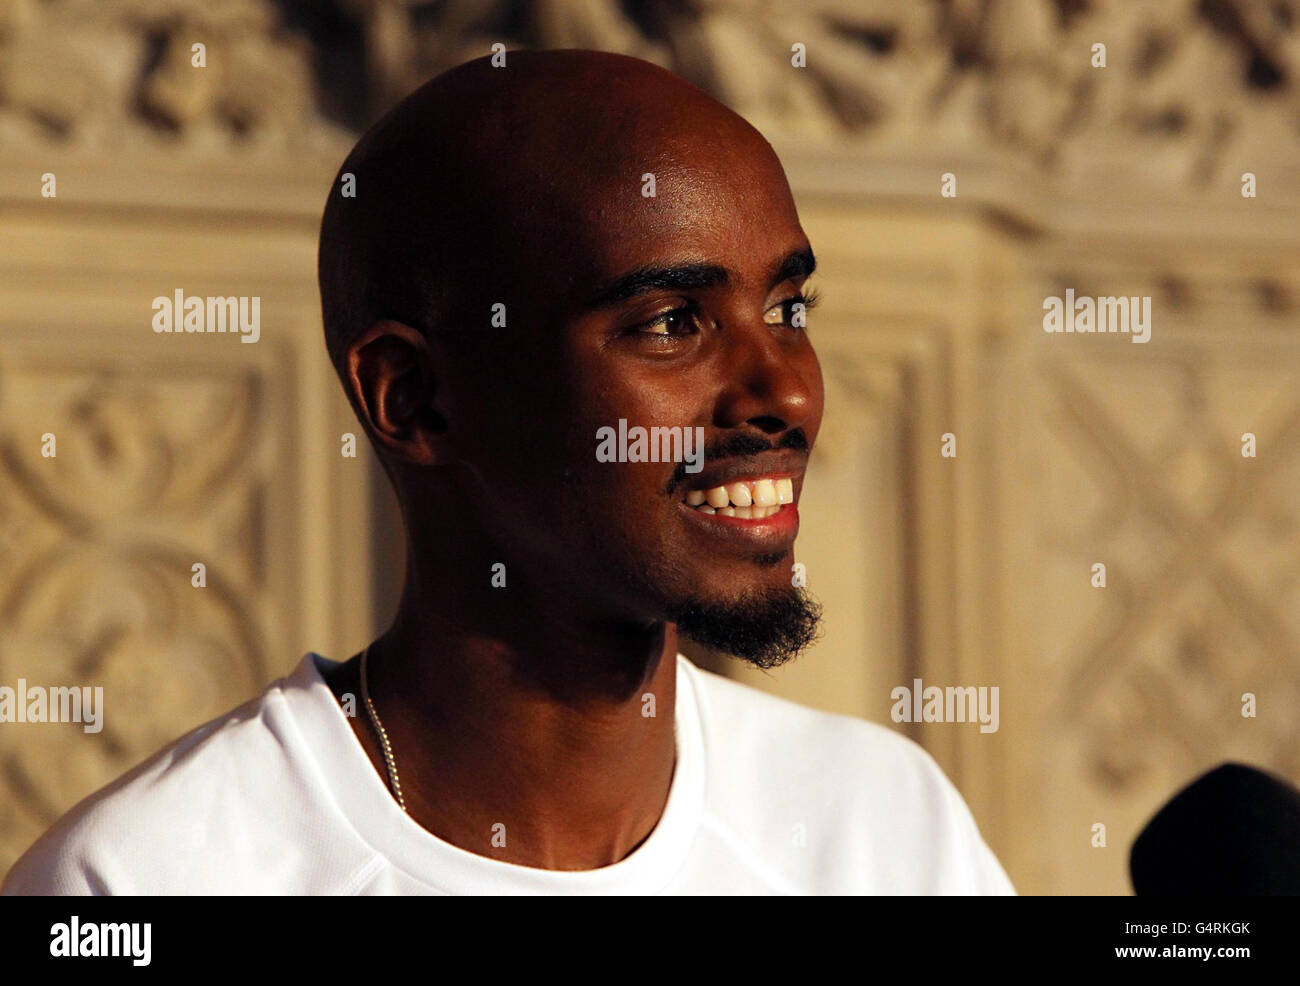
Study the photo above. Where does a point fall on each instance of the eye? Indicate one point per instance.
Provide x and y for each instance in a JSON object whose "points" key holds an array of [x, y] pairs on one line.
{"points": [[787, 309], [677, 322]]}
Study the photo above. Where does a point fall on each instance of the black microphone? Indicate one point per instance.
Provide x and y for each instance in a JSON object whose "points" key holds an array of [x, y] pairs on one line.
{"points": [[1232, 832]]}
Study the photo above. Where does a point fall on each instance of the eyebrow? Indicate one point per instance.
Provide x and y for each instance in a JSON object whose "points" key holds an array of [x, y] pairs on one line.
{"points": [[694, 277]]}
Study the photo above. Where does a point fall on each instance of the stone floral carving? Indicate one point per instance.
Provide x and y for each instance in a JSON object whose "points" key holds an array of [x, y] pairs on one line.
{"points": [[1190, 89]]}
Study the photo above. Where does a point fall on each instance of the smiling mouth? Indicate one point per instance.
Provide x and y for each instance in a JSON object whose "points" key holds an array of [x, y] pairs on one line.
{"points": [[751, 499]]}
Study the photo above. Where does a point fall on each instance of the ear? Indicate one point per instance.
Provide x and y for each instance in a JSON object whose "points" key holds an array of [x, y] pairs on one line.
{"points": [[393, 375]]}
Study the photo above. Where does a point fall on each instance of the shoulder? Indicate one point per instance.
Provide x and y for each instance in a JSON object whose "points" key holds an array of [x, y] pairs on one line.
{"points": [[808, 741], [872, 799], [157, 828]]}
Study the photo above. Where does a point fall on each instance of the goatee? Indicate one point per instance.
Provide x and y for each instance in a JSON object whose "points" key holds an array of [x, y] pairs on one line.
{"points": [[765, 629]]}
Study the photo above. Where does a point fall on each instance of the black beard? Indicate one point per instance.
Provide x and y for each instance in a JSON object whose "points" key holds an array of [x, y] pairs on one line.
{"points": [[764, 629]]}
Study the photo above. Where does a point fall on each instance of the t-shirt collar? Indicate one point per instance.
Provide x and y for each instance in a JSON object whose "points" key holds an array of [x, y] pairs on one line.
{"points": [[363, 798]]}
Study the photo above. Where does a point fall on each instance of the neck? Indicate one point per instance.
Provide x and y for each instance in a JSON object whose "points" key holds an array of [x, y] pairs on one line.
{"points": [[523, 731]]}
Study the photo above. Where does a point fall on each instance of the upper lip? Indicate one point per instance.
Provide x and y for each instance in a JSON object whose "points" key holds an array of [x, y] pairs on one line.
{"points": [[775, 464]]}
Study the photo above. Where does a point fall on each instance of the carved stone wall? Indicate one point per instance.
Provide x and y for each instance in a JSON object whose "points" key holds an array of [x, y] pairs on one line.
{"points": [[1135, 458], [170, 450], [972, 571]]}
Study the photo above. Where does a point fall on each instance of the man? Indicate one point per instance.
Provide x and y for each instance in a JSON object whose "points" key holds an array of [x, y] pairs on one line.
{"points": [[535, 252]]}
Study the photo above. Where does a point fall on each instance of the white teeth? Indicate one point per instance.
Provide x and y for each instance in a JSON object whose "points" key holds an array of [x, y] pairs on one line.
{"points": [[754, 512], [753, 499]]}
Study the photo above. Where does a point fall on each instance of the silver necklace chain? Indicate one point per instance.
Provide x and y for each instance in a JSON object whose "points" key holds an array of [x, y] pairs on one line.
{"points": [[384, 745]]}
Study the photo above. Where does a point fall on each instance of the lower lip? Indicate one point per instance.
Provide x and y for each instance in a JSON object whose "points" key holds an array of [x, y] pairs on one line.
{"points": [[773, 532]]}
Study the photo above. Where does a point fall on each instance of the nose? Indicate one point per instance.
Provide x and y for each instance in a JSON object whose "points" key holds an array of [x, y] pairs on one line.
{"points": [[773, 381]]}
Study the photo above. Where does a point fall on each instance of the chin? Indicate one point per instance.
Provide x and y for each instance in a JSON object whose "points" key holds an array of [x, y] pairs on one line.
{"points": [[765, 626]]}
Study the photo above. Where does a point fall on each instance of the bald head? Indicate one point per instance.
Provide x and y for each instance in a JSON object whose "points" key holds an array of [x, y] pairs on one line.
{"points": [[484, 173], [644, 243]]}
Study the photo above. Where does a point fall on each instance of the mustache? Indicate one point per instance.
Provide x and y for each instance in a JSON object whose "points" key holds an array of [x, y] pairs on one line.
{"points": [[734, 446]]}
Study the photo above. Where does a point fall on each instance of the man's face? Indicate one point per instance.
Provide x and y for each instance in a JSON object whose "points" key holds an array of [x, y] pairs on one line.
{"points": [[706, 342]]}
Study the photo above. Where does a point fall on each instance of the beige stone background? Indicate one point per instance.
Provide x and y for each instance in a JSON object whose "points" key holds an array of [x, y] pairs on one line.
{"points": [[976, 570]]}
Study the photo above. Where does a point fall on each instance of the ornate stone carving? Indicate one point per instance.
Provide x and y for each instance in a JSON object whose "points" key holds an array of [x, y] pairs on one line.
{"points": [[1191, 92], [120, 74], [152, 474], [1203, 552], [1189, 89]]}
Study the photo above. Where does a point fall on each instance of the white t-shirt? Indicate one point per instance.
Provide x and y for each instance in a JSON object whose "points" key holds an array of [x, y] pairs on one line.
{"points": [[279, 797]]}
